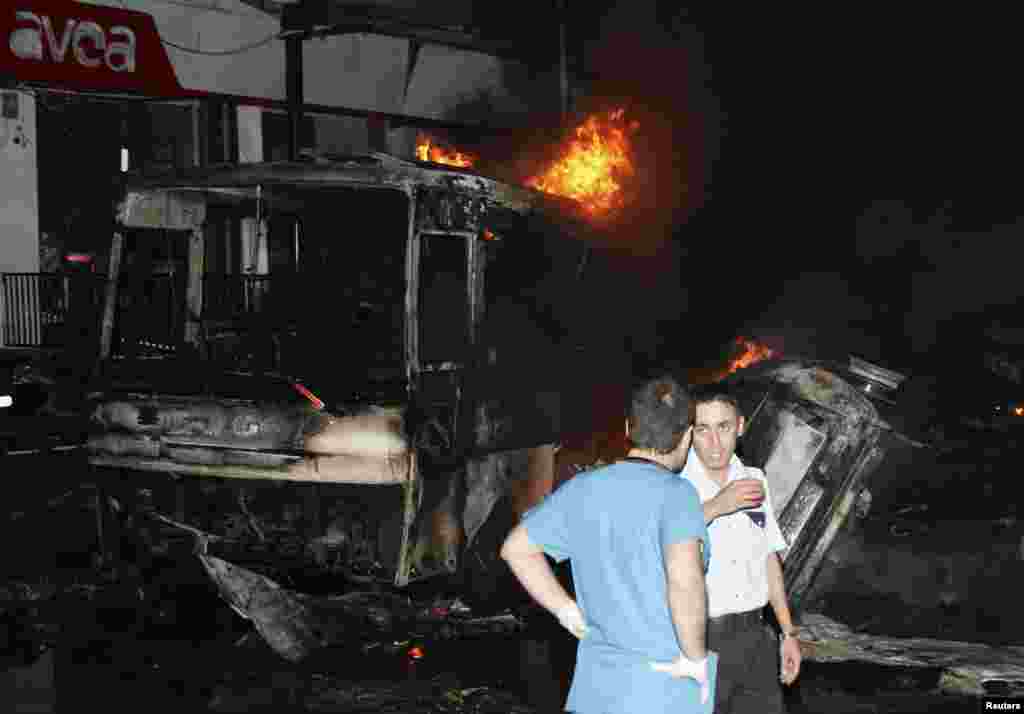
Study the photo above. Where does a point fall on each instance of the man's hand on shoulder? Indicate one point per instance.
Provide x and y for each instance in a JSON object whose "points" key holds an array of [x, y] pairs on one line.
{"points": [[736, 495]]}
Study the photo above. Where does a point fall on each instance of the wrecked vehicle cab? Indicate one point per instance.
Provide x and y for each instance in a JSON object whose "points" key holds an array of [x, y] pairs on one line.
{"points": [[410, 306], [821, 431], [837, 441]]}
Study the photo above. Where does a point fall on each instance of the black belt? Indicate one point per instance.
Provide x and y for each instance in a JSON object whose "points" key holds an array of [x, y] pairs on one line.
{"points": [[736, 622]]}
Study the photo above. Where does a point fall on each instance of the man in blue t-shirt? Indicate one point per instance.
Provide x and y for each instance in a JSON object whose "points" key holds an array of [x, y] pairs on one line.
{"points": [[635, 533]]}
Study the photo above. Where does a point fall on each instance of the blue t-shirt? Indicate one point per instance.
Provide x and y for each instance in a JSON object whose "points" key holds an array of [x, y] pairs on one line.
{"points": [[614, 523]]}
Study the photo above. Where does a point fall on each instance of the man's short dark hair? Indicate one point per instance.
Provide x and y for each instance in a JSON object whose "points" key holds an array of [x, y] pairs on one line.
{"points": [[716, 392], [660, 411]]}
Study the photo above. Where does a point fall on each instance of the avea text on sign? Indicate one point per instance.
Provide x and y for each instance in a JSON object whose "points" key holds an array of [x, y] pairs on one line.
{"points": [[89, 43]]}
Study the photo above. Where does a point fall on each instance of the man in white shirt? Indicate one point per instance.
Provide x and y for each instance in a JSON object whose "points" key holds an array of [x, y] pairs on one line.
{"points": [[745, 572]]}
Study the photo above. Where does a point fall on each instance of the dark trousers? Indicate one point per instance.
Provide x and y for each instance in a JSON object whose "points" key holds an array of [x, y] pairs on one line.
{"points": [[748, 666]]}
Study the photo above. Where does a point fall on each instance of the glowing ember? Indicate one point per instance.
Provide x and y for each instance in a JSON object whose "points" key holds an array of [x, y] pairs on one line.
{"points": [[427, 149], [591, 166], [752, 353]]}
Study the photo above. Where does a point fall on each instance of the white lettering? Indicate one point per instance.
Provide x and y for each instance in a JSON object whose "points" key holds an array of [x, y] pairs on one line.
{"points": [[88, 41], [90, 44], [121, 49], [27, 42], [57, 51]]}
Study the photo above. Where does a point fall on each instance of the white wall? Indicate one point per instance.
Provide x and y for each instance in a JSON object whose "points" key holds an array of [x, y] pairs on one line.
{"points": [[19, 203]]}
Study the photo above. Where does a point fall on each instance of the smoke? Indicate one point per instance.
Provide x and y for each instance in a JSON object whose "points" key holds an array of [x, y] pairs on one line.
{"points": [[817, 315], [944, 266], [650, 60]]}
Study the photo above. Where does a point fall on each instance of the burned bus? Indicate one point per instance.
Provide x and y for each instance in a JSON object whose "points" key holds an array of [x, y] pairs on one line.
{"points": [[352, 418]]}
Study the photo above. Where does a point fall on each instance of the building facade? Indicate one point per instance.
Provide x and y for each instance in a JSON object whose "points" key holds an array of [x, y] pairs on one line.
{"points": [[90, 90]]}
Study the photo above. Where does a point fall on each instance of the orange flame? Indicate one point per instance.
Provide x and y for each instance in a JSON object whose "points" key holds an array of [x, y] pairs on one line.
{"points": [[592, 164], [427, 149], [753, 352]]}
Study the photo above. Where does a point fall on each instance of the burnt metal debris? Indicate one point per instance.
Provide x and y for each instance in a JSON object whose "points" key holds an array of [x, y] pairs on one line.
{"points": [[414, 399], [418, 418], [827, 435]]}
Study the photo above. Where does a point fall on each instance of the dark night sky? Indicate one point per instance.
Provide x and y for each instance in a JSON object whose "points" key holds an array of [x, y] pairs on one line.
{"points": [[860, 170]]}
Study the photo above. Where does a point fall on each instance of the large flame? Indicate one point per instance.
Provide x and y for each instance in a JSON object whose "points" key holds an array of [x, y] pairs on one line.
{"points": [[427, 149], [750, 352], [592, 164]]}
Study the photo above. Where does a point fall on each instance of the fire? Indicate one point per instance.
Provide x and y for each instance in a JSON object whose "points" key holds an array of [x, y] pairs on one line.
{"points": [[591, 165], [427, 149], [752, 353]]}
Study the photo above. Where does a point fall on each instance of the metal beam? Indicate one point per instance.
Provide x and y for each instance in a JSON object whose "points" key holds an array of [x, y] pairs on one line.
{"points": [[326, 19], [110, 297], [294, 91], [305, 20]]}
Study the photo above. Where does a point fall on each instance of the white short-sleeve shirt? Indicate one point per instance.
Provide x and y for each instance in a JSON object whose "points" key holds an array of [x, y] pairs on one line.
{"points": [[737, 578]]}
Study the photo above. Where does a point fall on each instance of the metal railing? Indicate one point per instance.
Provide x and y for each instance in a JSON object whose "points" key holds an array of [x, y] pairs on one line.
{"points": [[49, 309], [53, 309]]}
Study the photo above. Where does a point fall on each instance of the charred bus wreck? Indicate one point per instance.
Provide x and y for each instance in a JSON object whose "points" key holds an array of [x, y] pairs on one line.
{"points": [[427, 369]]}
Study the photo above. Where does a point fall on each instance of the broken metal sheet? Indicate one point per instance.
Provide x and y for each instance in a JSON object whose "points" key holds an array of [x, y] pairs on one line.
{"points": [[528, 470], [967, 668], [297, 624], [818, 384], [818, 439], [437, 537], [791, 458]]}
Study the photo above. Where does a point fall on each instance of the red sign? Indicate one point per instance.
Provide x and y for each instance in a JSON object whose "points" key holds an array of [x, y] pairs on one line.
{"points": [[84, 47]]}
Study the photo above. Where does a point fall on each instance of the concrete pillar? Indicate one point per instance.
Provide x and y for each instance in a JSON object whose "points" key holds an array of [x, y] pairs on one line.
{"points": [[19, 184], [19, 194], [250, 134]]}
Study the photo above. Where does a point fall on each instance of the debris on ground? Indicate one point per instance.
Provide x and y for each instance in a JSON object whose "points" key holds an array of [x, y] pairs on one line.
{"points": [[442, 694]]}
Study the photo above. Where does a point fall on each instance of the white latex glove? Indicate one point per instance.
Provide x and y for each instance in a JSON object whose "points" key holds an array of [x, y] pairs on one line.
{"points": [[571, 618], [683, 667]]}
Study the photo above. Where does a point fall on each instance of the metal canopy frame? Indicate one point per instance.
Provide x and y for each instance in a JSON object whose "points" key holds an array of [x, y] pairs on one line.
{"points": [[308, 19]]}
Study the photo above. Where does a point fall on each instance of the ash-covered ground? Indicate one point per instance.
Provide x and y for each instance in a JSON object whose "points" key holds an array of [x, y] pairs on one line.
{"points": [[73, 637]]}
